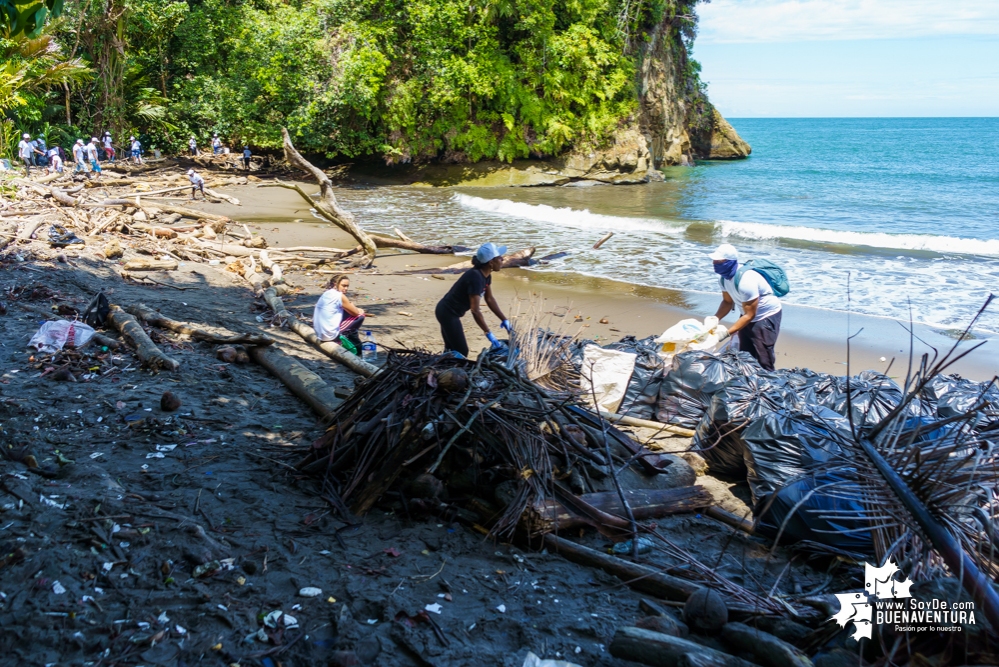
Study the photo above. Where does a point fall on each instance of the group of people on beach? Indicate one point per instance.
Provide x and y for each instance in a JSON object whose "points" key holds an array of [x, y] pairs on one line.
{"points": [[742, 287], [87, 156]]}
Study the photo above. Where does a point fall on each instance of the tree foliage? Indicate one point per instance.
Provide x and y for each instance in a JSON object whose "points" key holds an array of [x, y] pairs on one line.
{"points": [[404, 80]]}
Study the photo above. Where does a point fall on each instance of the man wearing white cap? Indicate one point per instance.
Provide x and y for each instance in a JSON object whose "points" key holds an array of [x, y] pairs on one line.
{"points": [[197, 183], [91, 150], [26, 151], [759, 324], [467, 294]]}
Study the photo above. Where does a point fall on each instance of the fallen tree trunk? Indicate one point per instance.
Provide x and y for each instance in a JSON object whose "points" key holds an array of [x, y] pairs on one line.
{"points": [[130, 329], [551, 515], [407, 244], [327, 205], [300, 380], [150, 316], [332, 350], [180, 210], [511, 260]]}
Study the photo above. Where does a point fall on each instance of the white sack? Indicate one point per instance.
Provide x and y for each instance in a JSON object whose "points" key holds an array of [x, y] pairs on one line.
{"points": [[610, 372]]}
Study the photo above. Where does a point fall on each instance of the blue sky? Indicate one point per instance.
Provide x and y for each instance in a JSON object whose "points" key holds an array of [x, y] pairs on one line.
{"points": [[806, 58]]}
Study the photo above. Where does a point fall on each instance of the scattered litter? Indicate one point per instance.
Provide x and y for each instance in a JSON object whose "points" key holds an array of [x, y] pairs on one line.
{"points": [[163, 619], [155, 455], [435, 608], [310, 592], [58, 588], [289, 622], [54, 335], [501, 609], [165, 448]]}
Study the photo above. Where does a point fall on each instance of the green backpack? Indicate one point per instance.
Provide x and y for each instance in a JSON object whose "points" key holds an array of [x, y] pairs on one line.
{"points": [[773, 274], [347, 345]]}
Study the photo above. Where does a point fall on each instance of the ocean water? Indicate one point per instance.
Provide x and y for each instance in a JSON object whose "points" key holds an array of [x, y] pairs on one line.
{"points": [[887, 217]]}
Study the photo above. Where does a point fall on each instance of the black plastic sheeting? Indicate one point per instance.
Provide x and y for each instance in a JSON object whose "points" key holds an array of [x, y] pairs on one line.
{"points": [[872, 395], [650, 369], [693, 379], [817, 520], [740, 402]]}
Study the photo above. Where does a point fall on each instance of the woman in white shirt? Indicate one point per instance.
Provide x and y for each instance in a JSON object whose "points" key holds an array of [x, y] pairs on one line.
{"points": [[335, 316]]}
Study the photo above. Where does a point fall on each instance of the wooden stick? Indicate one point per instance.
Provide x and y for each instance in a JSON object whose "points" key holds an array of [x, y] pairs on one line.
{"points": [[275, 270], [332, 350], [551, 515], [603, 239], [301, 381], [640, 577], [131, 331], [645, 423], [150, 316]]}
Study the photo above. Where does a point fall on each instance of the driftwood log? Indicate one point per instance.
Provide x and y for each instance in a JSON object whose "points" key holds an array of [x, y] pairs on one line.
{"points": [[552, 515], [300, 380], [269, 265], [645, 423], [661, 650], [510, 260], [150, 316], [326, 205], [332, 350], [130, 329], [140, 264]]}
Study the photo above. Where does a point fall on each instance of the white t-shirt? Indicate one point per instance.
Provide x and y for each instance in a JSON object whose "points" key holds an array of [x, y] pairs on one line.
{"points": [[193, 144], [196, 179], [753, 286], [107, 141], [91, 151], [24, 148], [136, 145], [78, 152], [328, 314], [216, 142]]}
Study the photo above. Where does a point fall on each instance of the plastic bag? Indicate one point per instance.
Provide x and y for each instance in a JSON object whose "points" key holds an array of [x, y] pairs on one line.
{"points": [[742, 400], [605, 375], [785, 444], [689, 334], [60, 237], [872, 395], [812, 521], [98, 310], [53, 336], [647, 377], [951, 395], [693, 378]]}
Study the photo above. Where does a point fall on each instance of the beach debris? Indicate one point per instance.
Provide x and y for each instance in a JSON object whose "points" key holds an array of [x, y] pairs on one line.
{"points": [[169, 402], [603, 240], [604, 320], [310, 592], [705, 611], [52, 336]]}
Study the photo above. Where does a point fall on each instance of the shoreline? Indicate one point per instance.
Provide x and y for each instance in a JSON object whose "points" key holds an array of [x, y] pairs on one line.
{"points": [[811, 337]]}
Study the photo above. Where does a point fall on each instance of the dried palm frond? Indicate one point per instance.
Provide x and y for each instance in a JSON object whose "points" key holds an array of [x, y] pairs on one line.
{"points": [[541, 343], [929, 487]]}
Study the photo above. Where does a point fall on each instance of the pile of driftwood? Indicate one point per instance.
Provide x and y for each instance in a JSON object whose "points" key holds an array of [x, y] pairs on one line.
{"points": [[442, 434]]}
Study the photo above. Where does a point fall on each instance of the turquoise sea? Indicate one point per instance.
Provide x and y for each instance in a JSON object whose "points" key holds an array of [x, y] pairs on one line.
{"points": [[893, 217]]}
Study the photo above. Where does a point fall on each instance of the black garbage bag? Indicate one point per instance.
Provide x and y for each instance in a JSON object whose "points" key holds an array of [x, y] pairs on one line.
{"points": [[643, 388], [694, 377], [948, 396], [785, 444], [872, 395], [820, 519], [741, 401], [60, 237], [97, 312]]}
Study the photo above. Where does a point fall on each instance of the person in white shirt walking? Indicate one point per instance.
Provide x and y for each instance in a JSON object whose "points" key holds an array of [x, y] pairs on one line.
{"points": [[135, 146], [216, 145], [80, 158], [197, 183], [26, 151], [759, 324], [192, 145], [108, 148], [92, 152]]}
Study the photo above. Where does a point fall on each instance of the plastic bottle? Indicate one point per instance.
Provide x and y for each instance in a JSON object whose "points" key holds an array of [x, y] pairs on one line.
{"points": [[369, 348]]}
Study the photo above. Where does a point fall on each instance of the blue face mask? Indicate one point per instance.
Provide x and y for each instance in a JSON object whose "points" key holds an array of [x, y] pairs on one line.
{"points": [[727, 268]]}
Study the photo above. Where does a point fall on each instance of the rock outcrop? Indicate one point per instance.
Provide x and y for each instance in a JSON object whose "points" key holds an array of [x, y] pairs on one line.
{"points": [[720, 141]]}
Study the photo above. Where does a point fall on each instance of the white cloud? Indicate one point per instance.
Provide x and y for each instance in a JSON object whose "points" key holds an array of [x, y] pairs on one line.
{"points": [[810, 20]]}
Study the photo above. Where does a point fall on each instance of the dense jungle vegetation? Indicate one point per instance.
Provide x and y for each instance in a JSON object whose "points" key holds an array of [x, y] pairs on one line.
{"points": [[399, 79]]}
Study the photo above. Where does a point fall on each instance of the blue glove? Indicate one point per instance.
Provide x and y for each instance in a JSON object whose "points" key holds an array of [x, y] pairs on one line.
{"points": [[506, 325], [494, 340]]}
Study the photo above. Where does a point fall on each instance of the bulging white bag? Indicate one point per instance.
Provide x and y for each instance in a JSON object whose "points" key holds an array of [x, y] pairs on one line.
{"points": [[55, 335], [689, 334]]}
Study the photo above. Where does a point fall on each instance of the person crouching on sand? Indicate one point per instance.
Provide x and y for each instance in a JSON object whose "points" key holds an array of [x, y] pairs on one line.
{"points": [[197, 183], [335, 317], [467, 294], [759, 324]]}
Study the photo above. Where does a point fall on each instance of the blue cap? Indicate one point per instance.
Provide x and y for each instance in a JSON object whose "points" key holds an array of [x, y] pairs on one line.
{"points": [[488, 252]]}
